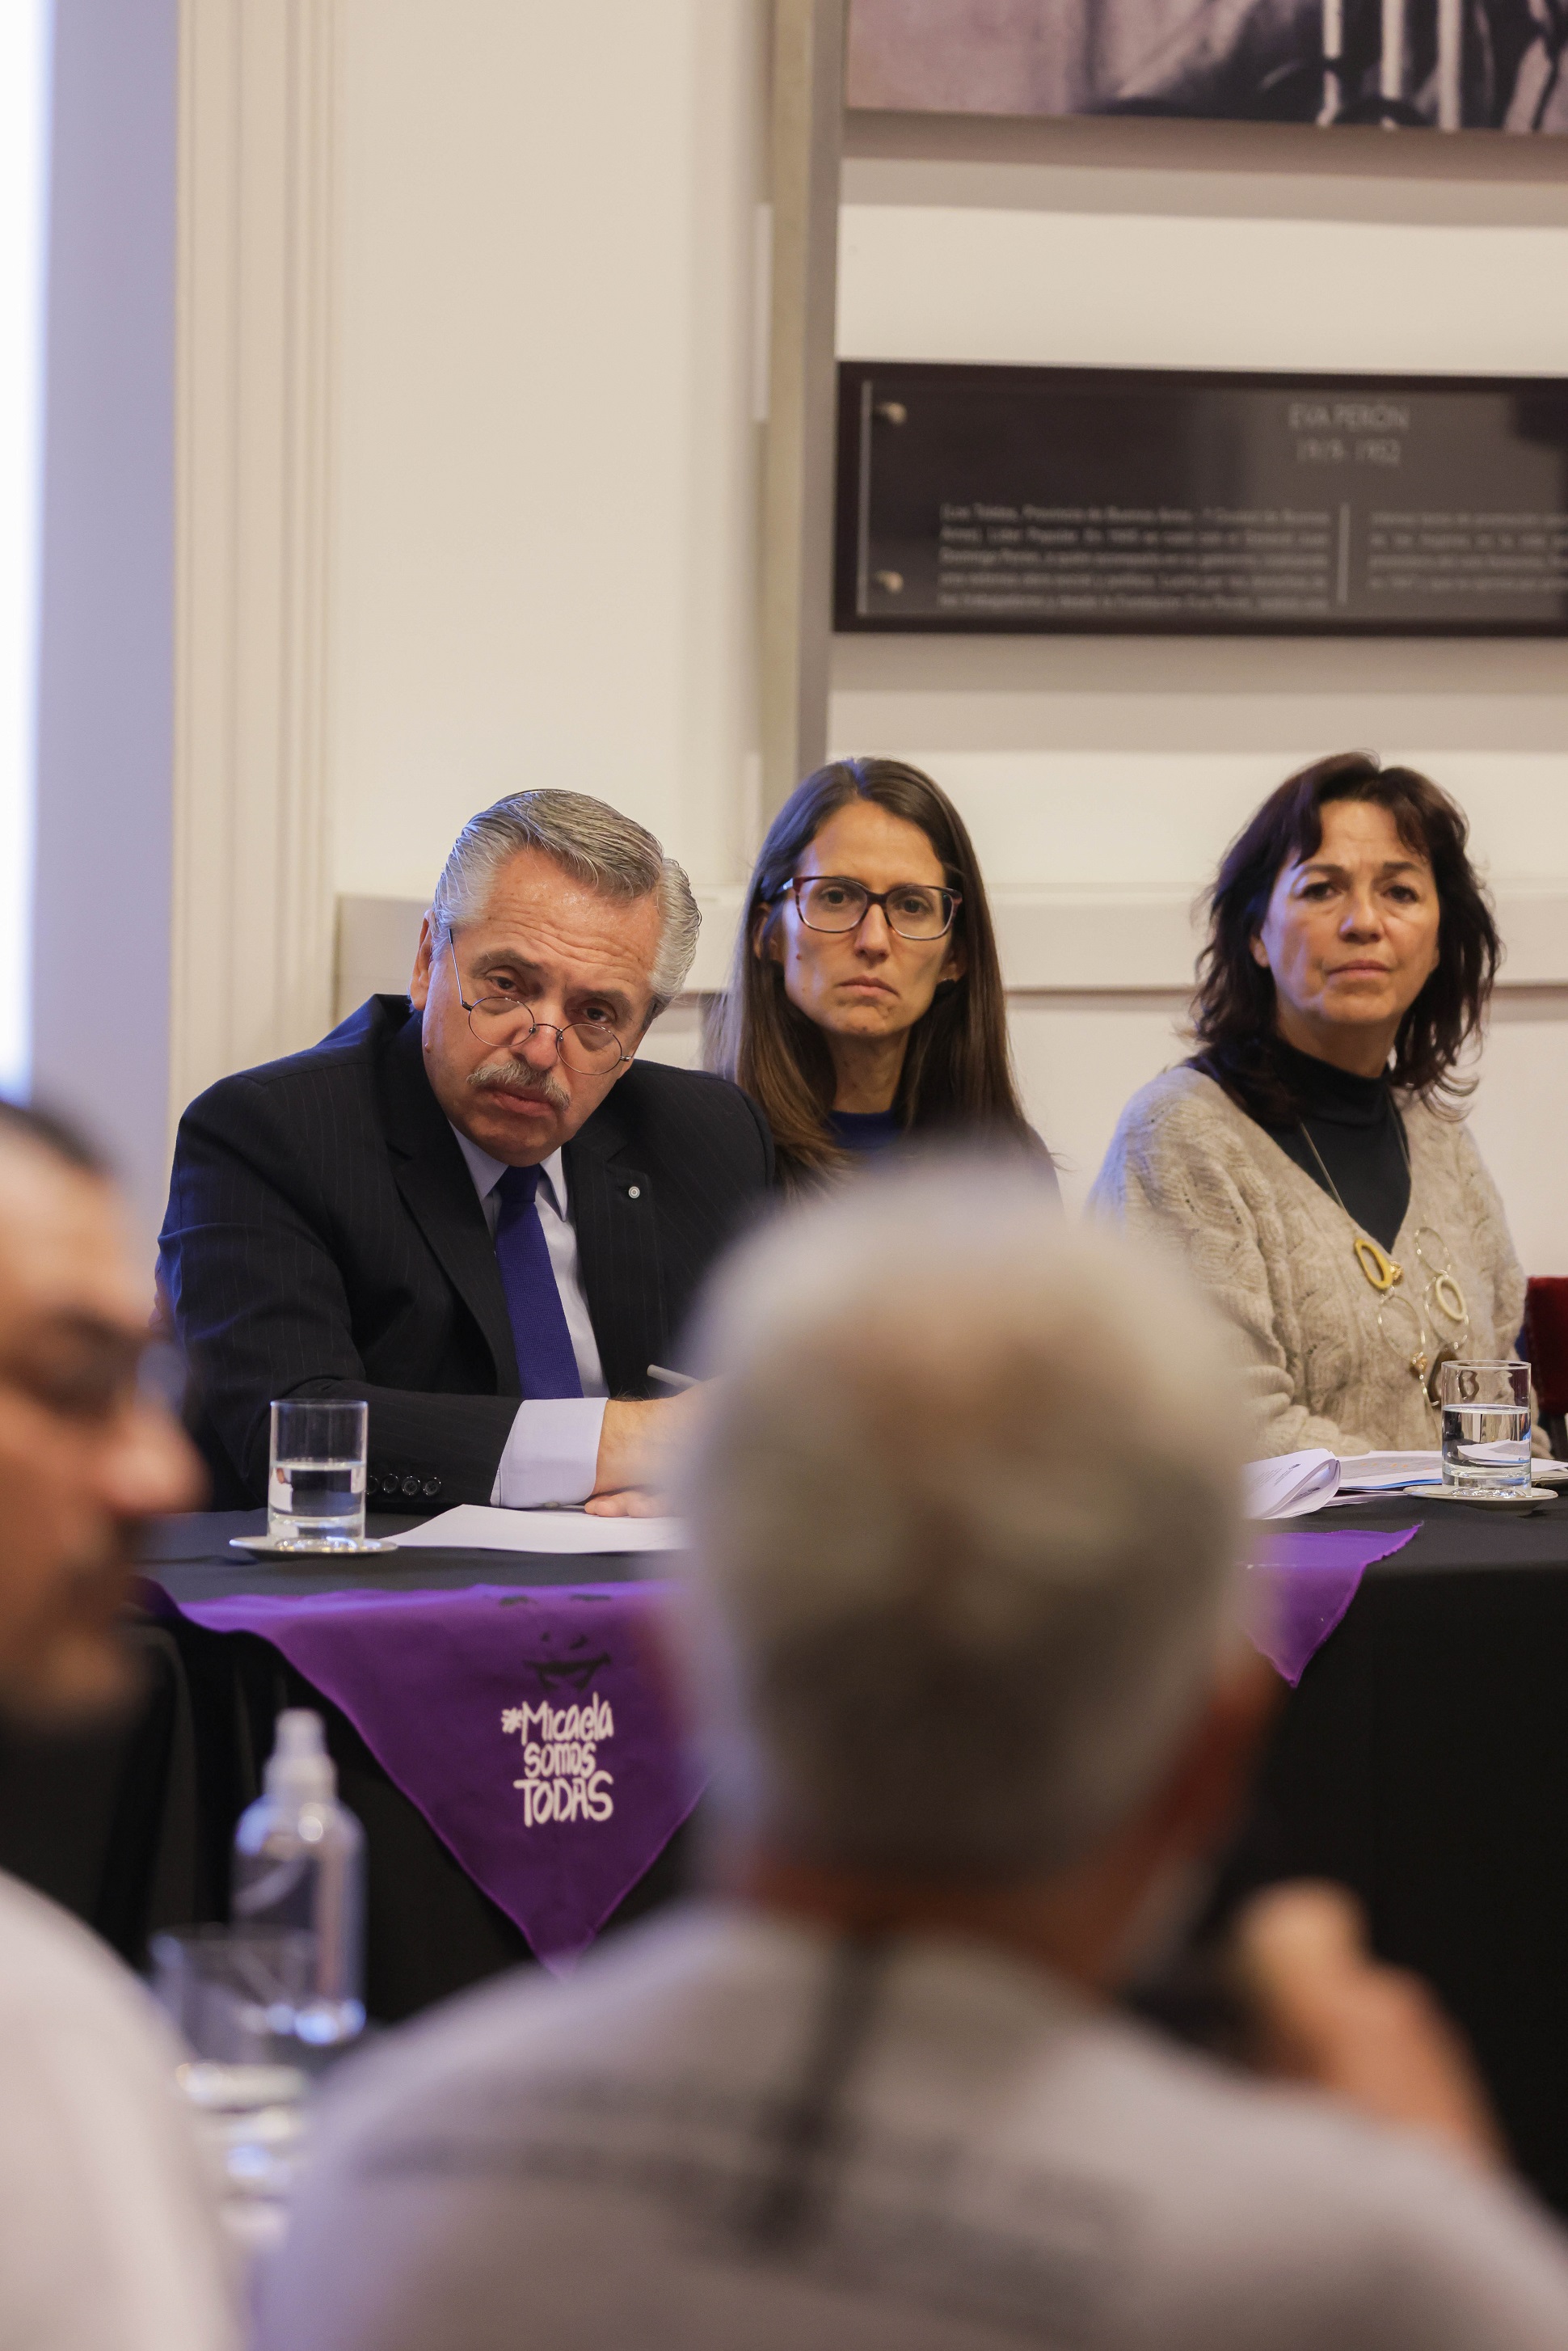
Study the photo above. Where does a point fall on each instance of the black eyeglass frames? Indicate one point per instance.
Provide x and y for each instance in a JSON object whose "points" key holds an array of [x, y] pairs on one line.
{"points": [[832, 902]]}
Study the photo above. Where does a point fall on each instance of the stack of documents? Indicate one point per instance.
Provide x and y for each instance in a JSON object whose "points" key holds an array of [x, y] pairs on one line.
{"points": [[1292, 1484]]}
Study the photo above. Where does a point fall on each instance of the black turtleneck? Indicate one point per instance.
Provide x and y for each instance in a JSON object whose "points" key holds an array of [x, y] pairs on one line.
{"points": [[1356, 1126]]}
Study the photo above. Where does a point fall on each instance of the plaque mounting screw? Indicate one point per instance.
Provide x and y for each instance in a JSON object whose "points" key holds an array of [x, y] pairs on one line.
{"points": [[893, 581], [894, 411]]}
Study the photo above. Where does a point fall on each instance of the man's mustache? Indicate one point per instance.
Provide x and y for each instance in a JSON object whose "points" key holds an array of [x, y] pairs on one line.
{"points": [[513, 1077]]}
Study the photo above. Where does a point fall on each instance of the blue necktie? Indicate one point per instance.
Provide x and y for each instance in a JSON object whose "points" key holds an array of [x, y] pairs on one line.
{"points": [[546, 1364]]}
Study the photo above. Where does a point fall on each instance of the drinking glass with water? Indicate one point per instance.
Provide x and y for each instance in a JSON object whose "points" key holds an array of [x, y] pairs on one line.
{"points": [[1486, 1428], [234, 1995], [315, 1486]]}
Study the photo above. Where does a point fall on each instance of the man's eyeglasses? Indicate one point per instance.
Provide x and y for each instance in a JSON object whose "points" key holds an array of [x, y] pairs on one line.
{"points": [[830, 902], [586, 1045]]}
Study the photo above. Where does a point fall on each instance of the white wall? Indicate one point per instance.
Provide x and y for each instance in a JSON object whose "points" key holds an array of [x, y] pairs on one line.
{"points": [[544, 454], [102, 839], [1121, 766], [24, 183]]}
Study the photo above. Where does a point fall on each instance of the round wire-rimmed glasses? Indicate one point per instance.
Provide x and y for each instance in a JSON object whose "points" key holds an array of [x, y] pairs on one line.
{"points": [[832, 902], [583, 1046]]}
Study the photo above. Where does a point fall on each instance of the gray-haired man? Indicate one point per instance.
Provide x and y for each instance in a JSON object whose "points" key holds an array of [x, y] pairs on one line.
{"points": [[471, 1206], [964, 1510]]}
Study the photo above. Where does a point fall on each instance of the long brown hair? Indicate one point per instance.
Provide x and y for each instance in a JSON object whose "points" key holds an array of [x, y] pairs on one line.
{"points": [[1235, 1011], [958, 1071]]}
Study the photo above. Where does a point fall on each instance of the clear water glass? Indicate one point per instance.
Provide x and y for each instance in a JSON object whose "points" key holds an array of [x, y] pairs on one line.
{"points": [[315, 1484], [235, 1994], [1486, 1428]]}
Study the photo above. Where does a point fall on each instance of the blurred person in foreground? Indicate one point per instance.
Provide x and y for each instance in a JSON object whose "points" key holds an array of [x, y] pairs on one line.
{"points": [[963, 1626], [108, 2238]]}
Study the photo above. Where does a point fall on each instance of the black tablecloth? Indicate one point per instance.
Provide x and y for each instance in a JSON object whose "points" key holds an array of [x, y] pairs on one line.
{"points": [[1423, 1761]]}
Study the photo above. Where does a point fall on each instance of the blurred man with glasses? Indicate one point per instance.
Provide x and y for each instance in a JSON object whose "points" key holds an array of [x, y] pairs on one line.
{"points": [[108, 2238], [473, 1205]]}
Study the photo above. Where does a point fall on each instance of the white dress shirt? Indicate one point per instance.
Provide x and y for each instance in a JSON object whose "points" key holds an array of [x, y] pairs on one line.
{"points": [[552, 1453]]}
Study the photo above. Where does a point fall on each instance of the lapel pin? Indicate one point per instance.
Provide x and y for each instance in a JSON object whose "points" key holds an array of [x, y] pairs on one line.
{"points": [[634, 1191]]}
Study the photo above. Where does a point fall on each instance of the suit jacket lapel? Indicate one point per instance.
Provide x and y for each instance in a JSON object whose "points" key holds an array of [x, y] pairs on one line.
{"points": [[612, 1205], [438, 1191]]}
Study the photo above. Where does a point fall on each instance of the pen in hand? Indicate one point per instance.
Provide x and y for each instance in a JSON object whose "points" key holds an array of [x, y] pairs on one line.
{"points": [[670, 1379]]}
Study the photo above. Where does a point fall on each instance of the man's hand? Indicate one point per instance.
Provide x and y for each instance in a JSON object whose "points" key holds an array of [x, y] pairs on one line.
{"points": [[635, 1448], [630, 1502], [1327, 2013]]}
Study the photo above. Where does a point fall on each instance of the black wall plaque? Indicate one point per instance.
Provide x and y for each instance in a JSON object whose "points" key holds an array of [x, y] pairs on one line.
{"points": [[1139, 502]]}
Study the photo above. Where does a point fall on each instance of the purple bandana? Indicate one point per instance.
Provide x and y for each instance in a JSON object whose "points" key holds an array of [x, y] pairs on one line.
{"points": [[531, 1727], [1300, 1584]]}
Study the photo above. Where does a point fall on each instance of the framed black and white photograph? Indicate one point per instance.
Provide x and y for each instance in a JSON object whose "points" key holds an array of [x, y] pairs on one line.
{"points": [[1448, 65]]}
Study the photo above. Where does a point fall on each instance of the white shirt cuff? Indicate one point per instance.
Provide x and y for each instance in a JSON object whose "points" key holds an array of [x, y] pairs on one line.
{"points": [[552, 1453]]}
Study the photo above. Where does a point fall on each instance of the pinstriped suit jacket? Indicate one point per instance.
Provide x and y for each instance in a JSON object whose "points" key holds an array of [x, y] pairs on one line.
{"points": [[324, 1237]]}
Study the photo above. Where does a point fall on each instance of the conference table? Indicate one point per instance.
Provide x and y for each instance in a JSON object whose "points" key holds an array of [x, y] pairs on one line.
{"points": [[1422, 1760]]}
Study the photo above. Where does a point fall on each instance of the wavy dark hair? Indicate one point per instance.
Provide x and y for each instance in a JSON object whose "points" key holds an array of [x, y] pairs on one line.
{"points": [[1234, 1011], [958, 1070]]}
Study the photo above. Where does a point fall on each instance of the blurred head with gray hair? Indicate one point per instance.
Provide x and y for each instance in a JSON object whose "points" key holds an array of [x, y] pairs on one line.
{"points": [[964, 1506]]}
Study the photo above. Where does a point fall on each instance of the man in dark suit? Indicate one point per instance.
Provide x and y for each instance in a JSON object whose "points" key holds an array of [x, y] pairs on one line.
{"points": [[471, 1206]]}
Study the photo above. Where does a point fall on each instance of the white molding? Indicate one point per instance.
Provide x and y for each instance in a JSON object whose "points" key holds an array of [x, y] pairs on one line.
{"points": [[1052, 943], [252, 922]]}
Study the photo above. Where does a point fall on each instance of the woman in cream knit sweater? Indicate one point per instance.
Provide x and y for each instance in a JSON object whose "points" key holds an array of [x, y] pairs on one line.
{"points": [[1308, 1160]]}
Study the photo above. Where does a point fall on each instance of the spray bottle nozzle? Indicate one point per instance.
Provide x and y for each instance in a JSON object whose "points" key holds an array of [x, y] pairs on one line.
{"points": [[299, 1766]]}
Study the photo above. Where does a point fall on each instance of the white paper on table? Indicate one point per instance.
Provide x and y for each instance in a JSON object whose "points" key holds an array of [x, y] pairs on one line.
{"points": [[1360, 1500], [1289, 1485], [471, 1527], [1376, 1473]]}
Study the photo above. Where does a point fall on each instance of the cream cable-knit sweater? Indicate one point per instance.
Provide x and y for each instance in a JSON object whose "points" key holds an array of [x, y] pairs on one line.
{"points": [[1276, 1251]]}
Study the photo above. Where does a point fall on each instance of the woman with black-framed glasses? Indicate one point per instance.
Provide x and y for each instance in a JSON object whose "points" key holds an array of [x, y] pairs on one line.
{"points": [[866, 1002]]}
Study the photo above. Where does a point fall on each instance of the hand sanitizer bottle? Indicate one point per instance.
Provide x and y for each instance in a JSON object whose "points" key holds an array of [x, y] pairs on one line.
{"points": [[299, 1862]]}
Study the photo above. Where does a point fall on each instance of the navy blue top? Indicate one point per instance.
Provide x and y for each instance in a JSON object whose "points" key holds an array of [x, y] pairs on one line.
{"points": [[865, 1130]]}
